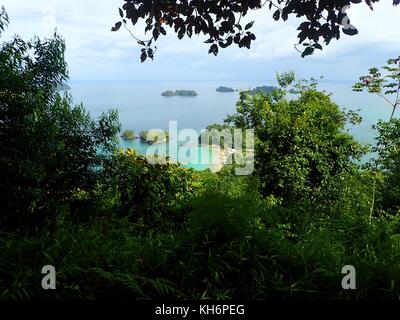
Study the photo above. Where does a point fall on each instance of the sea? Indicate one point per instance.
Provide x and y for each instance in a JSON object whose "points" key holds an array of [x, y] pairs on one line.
{"points": [[141, 106]]}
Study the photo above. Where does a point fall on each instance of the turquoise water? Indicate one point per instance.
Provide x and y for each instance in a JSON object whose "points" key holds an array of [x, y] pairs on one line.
{"points": [[141, 106], [198, 157]]}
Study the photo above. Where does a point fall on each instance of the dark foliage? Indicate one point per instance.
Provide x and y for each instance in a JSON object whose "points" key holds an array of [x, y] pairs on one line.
{"points": [[152, 196], [49, 149], [388, 165], [222, 20], [300, 143]]}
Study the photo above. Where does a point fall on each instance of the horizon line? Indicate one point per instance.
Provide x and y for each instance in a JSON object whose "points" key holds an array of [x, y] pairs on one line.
{"points": [[195, 80]]}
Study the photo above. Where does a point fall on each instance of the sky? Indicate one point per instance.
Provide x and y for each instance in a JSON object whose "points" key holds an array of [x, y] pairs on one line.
{"points": [[96, 53]]}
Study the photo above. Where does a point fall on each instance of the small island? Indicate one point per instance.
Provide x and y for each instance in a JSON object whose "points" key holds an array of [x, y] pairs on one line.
{"points": [[128, 135], [225, 89], [179, 93], [153, 136], [263, 90]]}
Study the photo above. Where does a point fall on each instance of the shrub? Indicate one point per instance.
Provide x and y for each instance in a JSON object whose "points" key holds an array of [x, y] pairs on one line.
{"points": [[153, 196]]}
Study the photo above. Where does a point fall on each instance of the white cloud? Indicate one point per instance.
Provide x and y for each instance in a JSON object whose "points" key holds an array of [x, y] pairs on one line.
{"points": [[93, 51], [276, 40]]}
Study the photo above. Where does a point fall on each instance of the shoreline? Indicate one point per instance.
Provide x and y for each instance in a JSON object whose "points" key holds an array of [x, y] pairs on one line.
{"points": [[220, 153]]}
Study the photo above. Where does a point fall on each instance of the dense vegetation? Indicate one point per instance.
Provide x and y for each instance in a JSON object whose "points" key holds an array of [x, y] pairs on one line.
{"points": [[117, 227], [128, 135]]}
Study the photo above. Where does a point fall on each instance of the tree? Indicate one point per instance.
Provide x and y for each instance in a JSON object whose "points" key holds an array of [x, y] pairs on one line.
{"points": [[49, 149], [387, 162], [217, 134], [386, 86], [150, 195], [222, 20], [300, 143]]}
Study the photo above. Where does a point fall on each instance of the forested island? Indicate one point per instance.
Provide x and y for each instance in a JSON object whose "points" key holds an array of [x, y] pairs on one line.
{"points": [[263, 90], [225, 89], [153, 136], [180, 93], [128, 135]]}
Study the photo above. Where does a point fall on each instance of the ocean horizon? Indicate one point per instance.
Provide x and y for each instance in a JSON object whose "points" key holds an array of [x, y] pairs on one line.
{"points": [[141, 107]]}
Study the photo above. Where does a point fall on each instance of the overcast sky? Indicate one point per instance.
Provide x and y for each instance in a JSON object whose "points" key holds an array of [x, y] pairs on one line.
{"points": [[93, 52]]}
